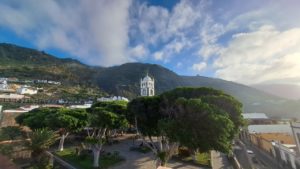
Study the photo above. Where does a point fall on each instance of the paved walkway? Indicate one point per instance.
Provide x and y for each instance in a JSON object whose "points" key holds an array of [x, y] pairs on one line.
{"points": [[220, 161], [137, 160]]}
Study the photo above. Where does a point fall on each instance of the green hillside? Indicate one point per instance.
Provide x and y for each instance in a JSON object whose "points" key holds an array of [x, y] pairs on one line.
{"points": [[124, 80], [22, 62]]}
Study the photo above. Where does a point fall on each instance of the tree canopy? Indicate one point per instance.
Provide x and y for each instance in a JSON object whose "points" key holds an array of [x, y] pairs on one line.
{"points": [[54, 118], [198, 118], [110, 115], [213, 97], [103, 118], [62, 120], [197, 125], [147, 111]]}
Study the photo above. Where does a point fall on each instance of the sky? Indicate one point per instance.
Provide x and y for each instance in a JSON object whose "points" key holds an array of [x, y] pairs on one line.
{"points": [[249, 42]]}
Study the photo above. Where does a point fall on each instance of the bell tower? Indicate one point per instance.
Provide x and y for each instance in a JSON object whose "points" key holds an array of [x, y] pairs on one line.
{"points": [[147, 86]]}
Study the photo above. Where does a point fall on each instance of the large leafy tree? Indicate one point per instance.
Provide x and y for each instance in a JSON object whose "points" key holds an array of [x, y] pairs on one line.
{"points": [[199, 126], [151, 123], [104, 117], [213, 97], [61, 120], [198, 118]]}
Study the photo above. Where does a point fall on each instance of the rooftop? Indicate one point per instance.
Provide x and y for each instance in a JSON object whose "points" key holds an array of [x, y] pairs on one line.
{"points": [[270, 128], [255, 116]]}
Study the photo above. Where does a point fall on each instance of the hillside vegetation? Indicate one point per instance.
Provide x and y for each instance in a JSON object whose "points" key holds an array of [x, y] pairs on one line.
{"points": [[124, 80]]}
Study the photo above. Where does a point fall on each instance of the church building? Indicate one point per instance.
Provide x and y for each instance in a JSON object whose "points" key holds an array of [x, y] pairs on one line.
{"points": [[147, 86]]}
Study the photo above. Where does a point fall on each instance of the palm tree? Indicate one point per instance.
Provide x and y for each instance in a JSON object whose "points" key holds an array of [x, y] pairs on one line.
{"points": [[39, 141]]}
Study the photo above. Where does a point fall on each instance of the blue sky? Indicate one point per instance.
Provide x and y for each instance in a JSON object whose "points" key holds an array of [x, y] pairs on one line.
{"points": [[248, 42]]}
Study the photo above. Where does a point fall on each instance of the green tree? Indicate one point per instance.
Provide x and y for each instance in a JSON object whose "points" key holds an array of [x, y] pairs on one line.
{"points": [[10, 133], [150, 125], [198, 118], [62, 120], [200, 126], [104, 117], [213, 97]]}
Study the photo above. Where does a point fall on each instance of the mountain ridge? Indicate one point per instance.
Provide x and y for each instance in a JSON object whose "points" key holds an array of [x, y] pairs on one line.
{"points": [[287, 91], [124, 79]]}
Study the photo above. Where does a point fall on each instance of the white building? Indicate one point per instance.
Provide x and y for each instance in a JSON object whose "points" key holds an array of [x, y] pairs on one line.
{"points": [[29, 107], [12, 96], [147, 86], [27, 90], [83, 106], [113, 98], [3, 84]]}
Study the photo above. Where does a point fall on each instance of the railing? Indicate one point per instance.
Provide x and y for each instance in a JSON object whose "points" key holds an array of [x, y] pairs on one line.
{"points": [[60, 161]]}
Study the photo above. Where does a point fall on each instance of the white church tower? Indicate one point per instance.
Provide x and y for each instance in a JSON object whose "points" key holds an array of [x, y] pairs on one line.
{"points": [[147, 86]]}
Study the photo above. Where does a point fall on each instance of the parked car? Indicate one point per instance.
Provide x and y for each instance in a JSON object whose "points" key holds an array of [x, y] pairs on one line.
{"points": [[250, 152]]}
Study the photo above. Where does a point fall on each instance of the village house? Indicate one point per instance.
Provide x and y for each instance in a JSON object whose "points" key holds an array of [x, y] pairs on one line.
{"points": [[113, 98], [27, 90], [12, 97], [257, 118], [3, 84], [83, 106]]}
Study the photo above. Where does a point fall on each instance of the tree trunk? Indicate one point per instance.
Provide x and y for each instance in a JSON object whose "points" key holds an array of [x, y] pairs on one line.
{"points": [[61, 142], [195, 155], [159, 162], [96, 153]]}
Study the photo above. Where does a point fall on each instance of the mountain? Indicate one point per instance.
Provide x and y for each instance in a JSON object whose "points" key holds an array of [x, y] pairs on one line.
{"points": [[287, 91], [16, 61], [124, 79]]}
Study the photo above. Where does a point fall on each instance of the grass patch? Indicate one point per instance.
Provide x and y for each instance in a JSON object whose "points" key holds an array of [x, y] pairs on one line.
{"points": [[201, 159], [86, 162]]}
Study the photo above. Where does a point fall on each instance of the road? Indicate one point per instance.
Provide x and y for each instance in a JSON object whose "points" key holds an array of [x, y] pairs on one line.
{"points": [[256, 160], [242, 156], [264, 160]]}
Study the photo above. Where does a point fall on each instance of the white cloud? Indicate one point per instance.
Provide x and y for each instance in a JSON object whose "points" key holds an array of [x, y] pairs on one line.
{"points": [[95, 32], [199, 67], [167, 31], [262, 55], [172, 48], [158, 24], [139, 51], [158, 55], [208, 50], [179, 64]]}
